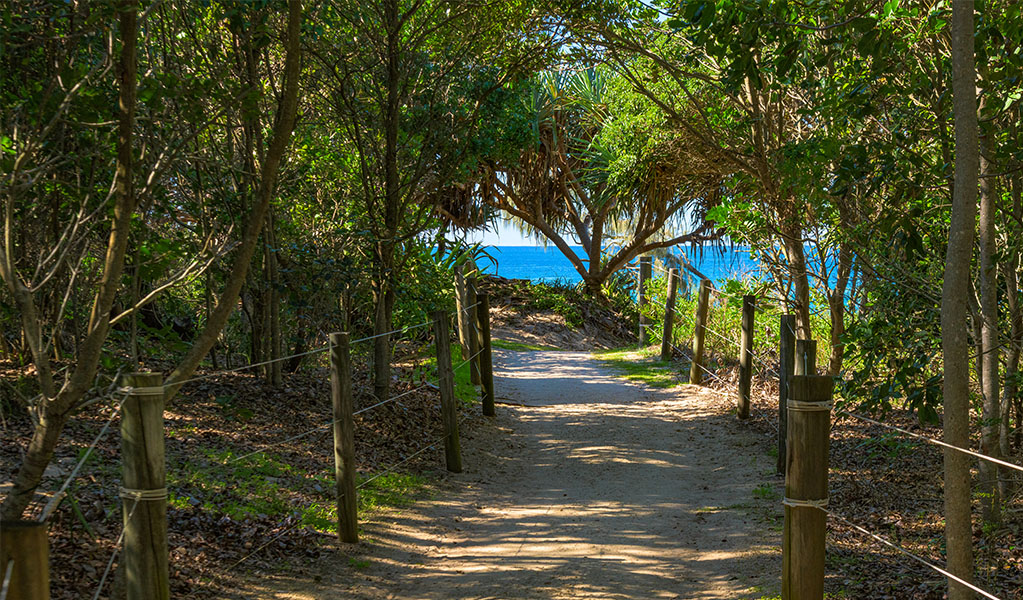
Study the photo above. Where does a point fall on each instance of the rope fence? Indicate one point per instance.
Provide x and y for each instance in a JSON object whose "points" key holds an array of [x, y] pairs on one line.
{"points": [[933, 441], [142, 390], [113, 555], [911, 555], [807, 366]]}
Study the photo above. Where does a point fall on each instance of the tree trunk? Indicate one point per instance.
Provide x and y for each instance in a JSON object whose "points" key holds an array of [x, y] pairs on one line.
{"points": [[392, 198], [954, 342], [274, 369], [228, 299], [990, 503], [384, 300], [56, 409], [795, 256], [1010, 270]]}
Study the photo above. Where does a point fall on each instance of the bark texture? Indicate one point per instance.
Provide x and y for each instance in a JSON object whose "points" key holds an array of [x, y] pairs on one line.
{"points": [[954, 308]]}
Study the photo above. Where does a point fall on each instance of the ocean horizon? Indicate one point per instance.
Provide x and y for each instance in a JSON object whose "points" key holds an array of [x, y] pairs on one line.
{"points": [[541, 264]]}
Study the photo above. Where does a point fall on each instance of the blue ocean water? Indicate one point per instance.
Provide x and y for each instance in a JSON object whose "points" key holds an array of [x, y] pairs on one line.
{"points": [[539, 264]]}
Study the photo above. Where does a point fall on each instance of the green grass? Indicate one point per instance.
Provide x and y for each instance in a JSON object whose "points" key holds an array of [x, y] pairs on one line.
{"points": [[519, 346], [765, 491], [641, 365], [465, 391], [264, 486], [393, 490]]}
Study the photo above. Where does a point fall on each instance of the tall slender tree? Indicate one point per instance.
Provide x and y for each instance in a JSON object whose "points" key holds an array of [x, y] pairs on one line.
{"points": [[954, 308]]}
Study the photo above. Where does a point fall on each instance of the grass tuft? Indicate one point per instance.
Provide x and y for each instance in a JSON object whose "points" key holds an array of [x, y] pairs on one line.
{"points": [[519, 346], [642, 365]]}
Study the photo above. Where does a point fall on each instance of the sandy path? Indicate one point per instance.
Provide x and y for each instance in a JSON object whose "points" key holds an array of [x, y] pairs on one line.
{"points": [[598, 488]]}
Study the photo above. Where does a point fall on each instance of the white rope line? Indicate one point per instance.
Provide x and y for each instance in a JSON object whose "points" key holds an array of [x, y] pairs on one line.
{"points": [[400, 463], [402, 330], [726, 339], [919, 559], [763, 364], [8, 572], [466, 361], [57, 497], [281, 443], [389, 400], [246, 367], [272, 540], [997, 461], [325, 425], [709, 372], [300, 354], [117, 549], [358, 487]]}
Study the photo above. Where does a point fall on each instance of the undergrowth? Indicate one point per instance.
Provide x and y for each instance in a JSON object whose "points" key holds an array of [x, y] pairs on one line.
{"points": [[264, 486]]}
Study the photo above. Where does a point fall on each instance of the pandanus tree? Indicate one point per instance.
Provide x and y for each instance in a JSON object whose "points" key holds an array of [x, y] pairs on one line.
{"points": [[600, 171]]}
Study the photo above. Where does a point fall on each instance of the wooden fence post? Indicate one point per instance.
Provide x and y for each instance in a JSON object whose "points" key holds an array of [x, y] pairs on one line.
{"points": [[144, 489], [786, 366], [475, 337], [486, 359], [669, 315], [645, 269], [464, 317], [699, 333], [805, 362], [749, 310], [446, 383], [343, 408], [25, 554], [806, 487]]}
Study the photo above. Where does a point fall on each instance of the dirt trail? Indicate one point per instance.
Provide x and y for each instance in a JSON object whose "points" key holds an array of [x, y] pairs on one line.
{"points": [[587, 487]]}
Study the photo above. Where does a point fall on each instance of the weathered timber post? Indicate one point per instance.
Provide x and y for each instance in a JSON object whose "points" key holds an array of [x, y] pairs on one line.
{"points": [[749, 310], [699, 333], [446, 383], [486, 359], [144, 489], [806, 487], [464, 317], [25, 555], [805, 362], [343, 407], [645, 269], [669, 315], [475, 336], [786, 366]]}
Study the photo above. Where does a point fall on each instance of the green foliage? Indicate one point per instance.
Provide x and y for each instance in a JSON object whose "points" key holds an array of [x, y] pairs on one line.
{"points": [[560, 298]]}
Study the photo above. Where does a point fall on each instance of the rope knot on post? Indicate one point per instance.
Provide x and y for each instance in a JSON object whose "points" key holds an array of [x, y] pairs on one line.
{"points": [[794, 503], [142, 391], [799, 405], [143, 495]]}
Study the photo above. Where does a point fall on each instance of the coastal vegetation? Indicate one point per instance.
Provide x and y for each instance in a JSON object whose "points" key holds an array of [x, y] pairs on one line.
{"points": [[193, 188]]}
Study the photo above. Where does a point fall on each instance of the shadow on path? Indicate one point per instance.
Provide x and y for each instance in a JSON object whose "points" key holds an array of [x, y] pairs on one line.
{"points": [[597, 488]]}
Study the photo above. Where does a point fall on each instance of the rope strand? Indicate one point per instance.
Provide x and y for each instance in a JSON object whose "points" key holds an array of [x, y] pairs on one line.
{"points": [[919, 559], [997, 461], [59, 495]]}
